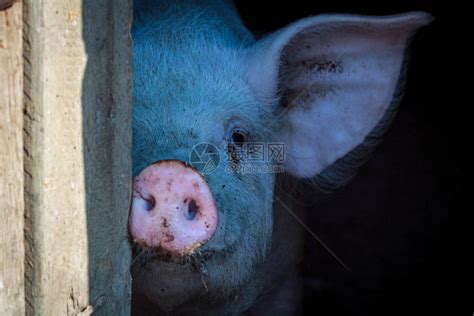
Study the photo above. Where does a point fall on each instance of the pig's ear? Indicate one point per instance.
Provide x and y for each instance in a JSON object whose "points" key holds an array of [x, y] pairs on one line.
{"points": [[335, 76]]}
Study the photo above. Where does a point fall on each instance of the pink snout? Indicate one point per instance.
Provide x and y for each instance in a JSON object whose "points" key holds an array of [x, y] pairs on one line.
{"points": [[172, 208]]}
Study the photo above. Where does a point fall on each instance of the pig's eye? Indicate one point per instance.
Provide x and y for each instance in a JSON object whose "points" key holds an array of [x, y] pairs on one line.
{"points": [[238, 137]]}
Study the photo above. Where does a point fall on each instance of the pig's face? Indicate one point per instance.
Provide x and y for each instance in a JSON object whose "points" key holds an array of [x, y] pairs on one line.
{"points": [[176, 109], [320, 86]]}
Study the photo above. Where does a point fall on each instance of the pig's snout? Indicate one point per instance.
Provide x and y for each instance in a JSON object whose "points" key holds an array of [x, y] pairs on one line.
{"points": [[172, 208]]}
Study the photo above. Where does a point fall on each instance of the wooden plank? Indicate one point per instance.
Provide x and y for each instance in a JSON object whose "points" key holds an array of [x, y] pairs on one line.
{"points": [[77, 162], [11, 161]]}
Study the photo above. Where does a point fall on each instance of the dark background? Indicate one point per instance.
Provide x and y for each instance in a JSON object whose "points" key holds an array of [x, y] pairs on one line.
{"points": [[390, 225]]}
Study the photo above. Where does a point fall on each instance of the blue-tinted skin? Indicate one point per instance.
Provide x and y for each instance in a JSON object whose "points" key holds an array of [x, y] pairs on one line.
{"points": [[189, 87], [193, 83]]}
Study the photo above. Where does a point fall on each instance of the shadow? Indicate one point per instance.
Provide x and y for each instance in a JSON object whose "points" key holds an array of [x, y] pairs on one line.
{"points": [[106, 101], [389, 224]]}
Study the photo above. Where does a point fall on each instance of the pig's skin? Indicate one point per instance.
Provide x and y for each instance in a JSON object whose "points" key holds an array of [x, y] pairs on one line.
{"points": [[191, 84]]}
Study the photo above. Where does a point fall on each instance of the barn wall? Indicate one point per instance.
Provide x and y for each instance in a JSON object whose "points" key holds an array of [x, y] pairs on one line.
{"points": [[77, 156], [11, 161]]}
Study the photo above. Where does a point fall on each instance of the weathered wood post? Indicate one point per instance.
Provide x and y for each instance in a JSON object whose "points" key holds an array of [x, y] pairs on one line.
{"points": [[77, 93], [11, 160]]}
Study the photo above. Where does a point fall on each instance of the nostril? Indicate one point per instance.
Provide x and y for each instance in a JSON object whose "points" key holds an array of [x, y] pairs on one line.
{"points": [[149, 203], [192, 210]]}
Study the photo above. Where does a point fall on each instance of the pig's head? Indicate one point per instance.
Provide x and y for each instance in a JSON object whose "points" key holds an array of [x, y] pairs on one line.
{"points": [[319, 86]]}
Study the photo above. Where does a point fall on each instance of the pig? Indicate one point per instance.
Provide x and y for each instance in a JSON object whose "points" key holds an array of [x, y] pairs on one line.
{"points": [[324, 89]]}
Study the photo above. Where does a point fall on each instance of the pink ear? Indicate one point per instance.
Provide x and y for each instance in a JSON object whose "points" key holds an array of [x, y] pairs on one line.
{"points": [[336, 76]]}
